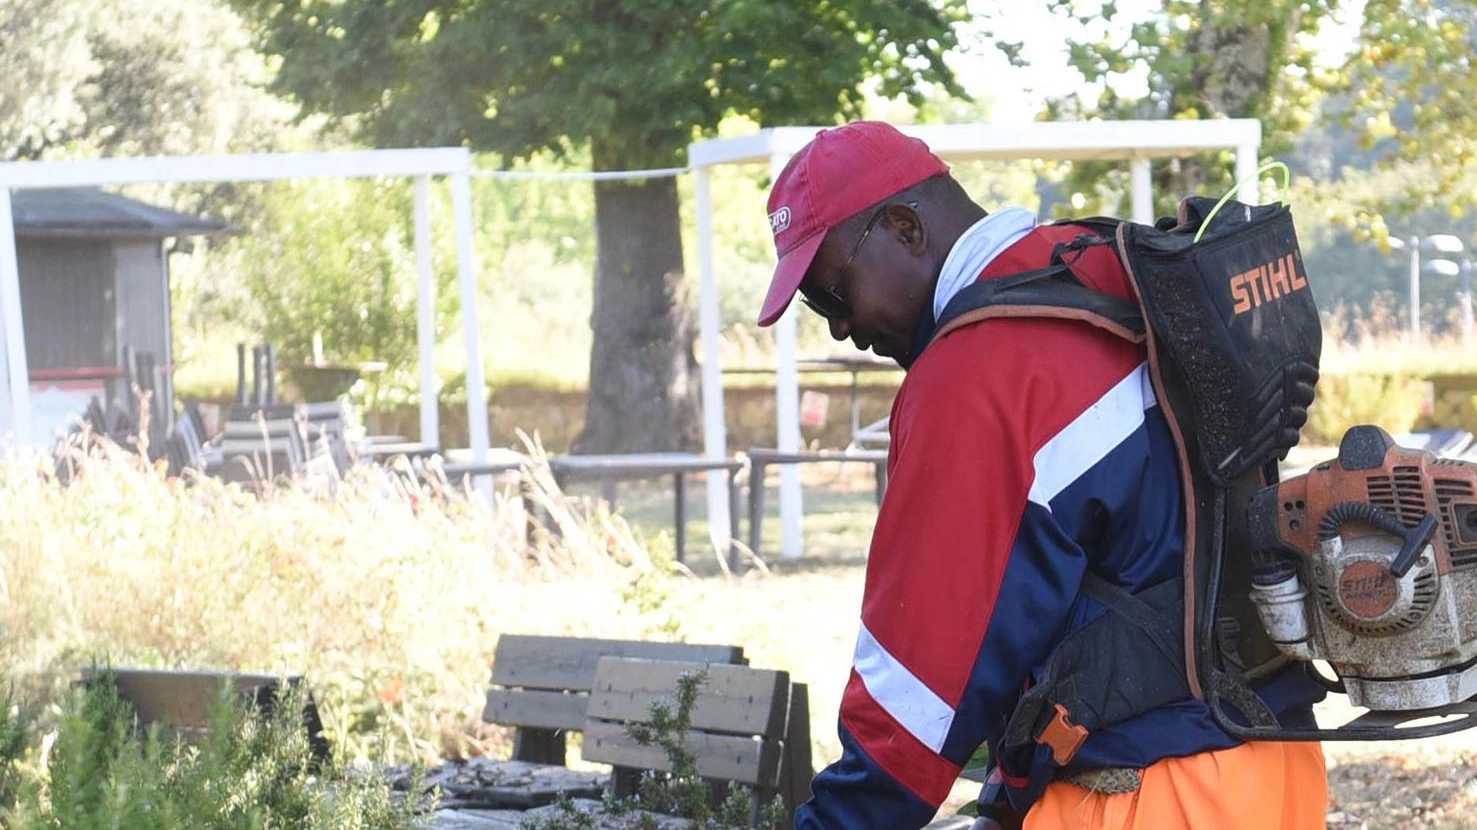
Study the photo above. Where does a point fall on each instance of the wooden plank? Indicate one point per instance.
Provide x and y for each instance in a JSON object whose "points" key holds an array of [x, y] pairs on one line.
{"points": [[735, 699], [723, 757], [540, 662], [275, 428], [536, 708], [178, 698]]}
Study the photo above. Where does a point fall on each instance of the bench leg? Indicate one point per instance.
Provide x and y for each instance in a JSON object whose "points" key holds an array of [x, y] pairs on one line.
{"points": [[797, 768], [539, 746], [881, 476], [733, 520], [679, 490], [756, 506]]}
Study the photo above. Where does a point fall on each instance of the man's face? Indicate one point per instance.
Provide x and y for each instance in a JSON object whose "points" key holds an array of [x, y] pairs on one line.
{"points": [[869, 280]]}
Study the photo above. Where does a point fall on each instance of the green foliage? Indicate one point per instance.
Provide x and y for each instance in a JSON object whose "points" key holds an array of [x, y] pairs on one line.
{"points": [[130, 77], [1411, 88], [640, 79], [1392, 400], [1198, 60], [15, 734], [632, 83], [250, 769], [335, 258], [1404, 88]]}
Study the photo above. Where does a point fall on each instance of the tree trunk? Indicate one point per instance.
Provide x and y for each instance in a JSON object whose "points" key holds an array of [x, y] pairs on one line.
{"points": [[1232, 77], [643, 373], [1234, 70]]}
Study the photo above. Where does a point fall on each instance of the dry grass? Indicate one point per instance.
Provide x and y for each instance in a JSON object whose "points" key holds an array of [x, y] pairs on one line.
{"points": [[388, 594]]}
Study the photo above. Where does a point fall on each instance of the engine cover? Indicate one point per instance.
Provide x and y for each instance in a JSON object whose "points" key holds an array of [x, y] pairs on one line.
{"points": [[1369, 562]]}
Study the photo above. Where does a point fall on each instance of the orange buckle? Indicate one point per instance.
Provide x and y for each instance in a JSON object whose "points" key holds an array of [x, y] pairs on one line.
{"points": [[1062, 736]]}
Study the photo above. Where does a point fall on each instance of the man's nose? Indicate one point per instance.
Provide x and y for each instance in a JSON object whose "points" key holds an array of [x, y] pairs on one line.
{"points": [[840, 329]]}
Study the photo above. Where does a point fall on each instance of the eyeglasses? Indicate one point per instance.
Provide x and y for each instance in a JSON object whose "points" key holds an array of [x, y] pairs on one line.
{"points": [[827, 301]]}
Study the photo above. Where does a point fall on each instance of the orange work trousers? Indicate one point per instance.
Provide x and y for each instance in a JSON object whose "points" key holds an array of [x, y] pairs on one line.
{"points": [[1267, 785]]}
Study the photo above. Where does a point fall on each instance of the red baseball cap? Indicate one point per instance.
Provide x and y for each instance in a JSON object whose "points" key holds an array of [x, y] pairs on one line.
{"points": [[841, 172]]}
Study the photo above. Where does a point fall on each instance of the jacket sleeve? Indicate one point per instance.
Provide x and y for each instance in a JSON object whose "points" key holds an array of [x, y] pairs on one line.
{"points": [[971, 576]]}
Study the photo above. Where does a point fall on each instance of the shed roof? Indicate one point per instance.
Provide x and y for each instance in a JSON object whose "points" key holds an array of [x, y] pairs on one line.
{"points": [[91, 212]]}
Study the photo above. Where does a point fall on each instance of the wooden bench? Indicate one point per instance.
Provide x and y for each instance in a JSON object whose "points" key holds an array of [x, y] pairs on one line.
{"points": [[540, 688], [182, 700], [541, 685], [750, 726], [760, 458]]}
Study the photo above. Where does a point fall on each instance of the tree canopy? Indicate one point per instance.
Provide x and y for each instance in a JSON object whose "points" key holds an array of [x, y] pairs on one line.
{"points": [[130, 77], [641, 78], [1405, 87], [631, 82]]}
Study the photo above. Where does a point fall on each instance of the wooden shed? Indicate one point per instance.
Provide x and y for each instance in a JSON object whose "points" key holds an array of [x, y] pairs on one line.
{"points": [[94, 284]]}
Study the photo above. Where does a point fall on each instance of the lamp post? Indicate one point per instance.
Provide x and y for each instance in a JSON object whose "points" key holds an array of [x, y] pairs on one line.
{"points": [[1441, 243], [1463, 270]]}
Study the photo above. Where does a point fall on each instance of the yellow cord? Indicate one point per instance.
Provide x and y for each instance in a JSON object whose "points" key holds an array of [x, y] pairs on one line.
{"points": [[1271, 165]]}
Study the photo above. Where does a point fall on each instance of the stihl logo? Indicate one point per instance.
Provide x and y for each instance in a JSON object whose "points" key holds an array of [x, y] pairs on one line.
{"points": [[779, 220], [1265, 283]]}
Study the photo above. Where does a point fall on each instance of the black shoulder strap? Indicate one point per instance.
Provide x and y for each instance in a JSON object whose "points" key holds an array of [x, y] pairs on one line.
{"points": [[1042, 290], [1053, 291]]}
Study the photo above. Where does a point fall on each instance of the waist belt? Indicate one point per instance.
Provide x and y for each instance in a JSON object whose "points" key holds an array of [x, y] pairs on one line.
{"points": [[1109, 780]]}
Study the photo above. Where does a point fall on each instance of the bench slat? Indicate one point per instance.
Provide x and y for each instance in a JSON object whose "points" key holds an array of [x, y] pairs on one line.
{"points": [[724, 757], [535, 708], [734, 699], [538, 662]]}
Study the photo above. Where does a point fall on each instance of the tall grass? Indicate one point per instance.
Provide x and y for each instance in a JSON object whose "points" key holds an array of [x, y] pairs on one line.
{"points": [[388, 594]]}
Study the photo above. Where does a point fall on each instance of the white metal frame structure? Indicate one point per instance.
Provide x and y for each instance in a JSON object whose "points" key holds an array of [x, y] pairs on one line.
{"points": [[1135, 142], [419, 164]]}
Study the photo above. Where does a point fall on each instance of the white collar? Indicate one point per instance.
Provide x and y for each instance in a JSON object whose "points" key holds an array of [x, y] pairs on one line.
{"points": [[976, 248]]}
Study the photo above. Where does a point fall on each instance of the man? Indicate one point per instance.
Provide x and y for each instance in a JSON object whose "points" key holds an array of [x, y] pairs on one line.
{"points": [[1025, 453]]}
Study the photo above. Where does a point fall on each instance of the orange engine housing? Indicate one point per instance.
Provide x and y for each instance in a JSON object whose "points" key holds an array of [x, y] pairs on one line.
{"points": [[1369, 561]]}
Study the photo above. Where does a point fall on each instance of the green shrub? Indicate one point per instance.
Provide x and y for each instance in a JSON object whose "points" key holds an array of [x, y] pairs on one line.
{"points": [[1391, 400], [250, 770], [14, 739]]}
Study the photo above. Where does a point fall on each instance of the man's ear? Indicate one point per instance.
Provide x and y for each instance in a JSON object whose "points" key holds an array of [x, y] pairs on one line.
{"points": [[908, 228]]}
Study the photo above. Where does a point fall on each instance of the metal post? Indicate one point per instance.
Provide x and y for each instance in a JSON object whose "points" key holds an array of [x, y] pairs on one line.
{"points": [[1415, 287], [1466, 303], [787, 419], [15, 405], [1143, 191], [715, 438], [466, 268], [425, 320]]}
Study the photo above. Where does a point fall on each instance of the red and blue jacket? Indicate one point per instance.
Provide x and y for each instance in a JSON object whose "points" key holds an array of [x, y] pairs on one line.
{"points": [[1024, 451]]}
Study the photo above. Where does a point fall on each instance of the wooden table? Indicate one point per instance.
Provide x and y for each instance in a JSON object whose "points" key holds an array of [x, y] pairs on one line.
{"points": [[611, 469], [761, 458], [855, 363]]}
